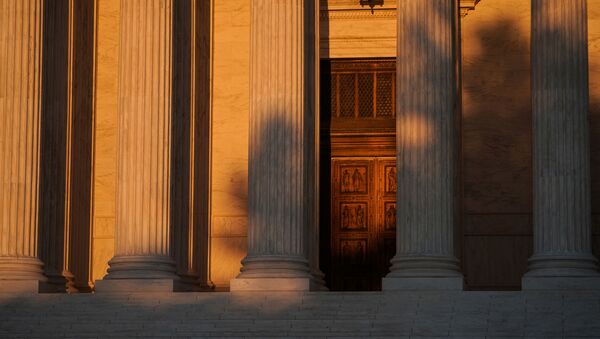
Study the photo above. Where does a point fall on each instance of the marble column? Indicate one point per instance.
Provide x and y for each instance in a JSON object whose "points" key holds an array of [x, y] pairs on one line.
{"points": [[20, 110], [143, 258], [427, 147], [312, 150], [562, 257], [281, 111]]}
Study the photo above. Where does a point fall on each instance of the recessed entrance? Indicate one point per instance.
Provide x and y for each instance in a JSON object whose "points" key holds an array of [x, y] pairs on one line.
{"points": [[358, 179]]}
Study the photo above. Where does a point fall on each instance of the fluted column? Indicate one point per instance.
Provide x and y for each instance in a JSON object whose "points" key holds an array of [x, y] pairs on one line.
{"points": [[142, 244], [427, 147], [561, 151], [280, 107], [20, 108]]}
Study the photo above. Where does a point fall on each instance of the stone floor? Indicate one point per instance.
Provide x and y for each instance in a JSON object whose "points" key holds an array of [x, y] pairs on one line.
{"points": [[325, 315]]}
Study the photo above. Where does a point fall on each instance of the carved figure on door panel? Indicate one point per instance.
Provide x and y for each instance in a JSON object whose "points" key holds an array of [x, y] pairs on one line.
{"points": [[390, 217], [352, 224], [359, 253], [360, 217], [353, 179], [390, 179], [357, 181], [345, 217], [353, 251], [346, 251], [354, 216], [346, 183]]}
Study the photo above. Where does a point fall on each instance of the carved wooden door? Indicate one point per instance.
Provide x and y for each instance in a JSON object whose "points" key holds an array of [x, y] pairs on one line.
{"points": [[358, 145], [363, 221]]}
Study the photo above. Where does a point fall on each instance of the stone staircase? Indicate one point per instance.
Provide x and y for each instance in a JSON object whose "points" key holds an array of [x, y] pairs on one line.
{"points": [[319, 314]]}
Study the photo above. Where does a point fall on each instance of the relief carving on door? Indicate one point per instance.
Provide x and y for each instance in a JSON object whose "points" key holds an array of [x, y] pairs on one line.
{"points": [[390, 179], [354, 180], [390, 216], [358, 116], [354, 252], [363, 222], [354, 216]]}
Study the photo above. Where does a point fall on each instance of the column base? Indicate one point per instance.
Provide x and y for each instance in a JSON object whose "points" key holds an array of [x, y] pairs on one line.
{"points": [[421, 272], [562, 272], [85, 287], [59, 283], [275, 273], [274, 284], [422, 283], [190, 283], [141, 267], [135, 285], [20, 286], [139, 273], [560, 283], [319, 281], [21, 275]]}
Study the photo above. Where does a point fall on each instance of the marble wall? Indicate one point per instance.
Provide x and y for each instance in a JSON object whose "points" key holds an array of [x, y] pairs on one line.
{"points": [[230, 107], [496, 135], [105, 159], [497, 165]]}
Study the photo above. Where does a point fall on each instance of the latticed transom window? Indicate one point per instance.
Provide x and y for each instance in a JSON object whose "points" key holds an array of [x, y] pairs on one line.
{"points": [[363, 89]]}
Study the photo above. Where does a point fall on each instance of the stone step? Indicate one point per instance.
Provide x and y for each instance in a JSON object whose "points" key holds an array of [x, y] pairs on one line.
{"points": [[418, 314]]}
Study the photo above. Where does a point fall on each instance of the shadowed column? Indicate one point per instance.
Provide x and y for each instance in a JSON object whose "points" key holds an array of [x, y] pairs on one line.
{"points": [[143, 258], [20, 109], [281, 115], [427, 147], [562, 231]]}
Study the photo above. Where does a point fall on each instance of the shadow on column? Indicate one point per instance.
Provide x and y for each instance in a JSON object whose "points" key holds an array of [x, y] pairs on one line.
{"points": [[66, 145]]}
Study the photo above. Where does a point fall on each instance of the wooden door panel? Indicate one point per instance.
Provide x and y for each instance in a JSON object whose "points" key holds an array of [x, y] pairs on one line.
{"points": [[360, 237], [353, 216], [388, 252], [387, 213], [353, 178], [352, 257], [388, 174]]}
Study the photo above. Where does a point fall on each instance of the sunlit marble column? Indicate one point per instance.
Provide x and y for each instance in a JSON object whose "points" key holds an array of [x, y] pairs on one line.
{"points": [[20, 108], [281, 111], [427, 147], [562, 231], [143, 257]]}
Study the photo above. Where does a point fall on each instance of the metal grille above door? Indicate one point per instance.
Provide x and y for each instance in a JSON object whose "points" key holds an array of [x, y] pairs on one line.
{"points": [[363, 89]]}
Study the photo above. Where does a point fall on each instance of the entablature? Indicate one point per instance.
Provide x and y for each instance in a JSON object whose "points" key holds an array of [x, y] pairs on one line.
{"points": [[386, 5], [362, 28]]}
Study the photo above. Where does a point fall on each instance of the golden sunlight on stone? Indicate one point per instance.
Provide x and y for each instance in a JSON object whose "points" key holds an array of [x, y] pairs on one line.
{"points": [[468, 151], [416, 131]]}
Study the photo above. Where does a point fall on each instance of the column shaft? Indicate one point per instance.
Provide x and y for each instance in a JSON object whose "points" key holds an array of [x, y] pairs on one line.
{"points": [[312, 148], [281, 109], [561, 161], [427, 146], [144, 150], [20, 109]]}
